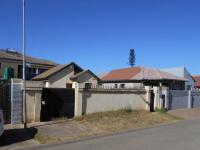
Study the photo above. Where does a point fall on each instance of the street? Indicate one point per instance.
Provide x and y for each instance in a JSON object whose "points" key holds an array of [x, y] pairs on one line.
{"points": [[183, 135]]}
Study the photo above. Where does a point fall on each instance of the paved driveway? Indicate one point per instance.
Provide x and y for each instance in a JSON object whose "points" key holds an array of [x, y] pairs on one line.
{"points": [[183, 135]]}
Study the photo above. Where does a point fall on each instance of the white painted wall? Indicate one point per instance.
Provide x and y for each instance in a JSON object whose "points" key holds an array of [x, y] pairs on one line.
{"points": [[91, 101]]}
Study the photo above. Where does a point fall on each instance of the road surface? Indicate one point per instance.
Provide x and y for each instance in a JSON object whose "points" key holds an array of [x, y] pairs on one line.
{"points": [[183, 135]]}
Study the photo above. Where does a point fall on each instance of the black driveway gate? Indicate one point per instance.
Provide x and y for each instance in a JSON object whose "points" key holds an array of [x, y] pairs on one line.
{"points": [[57, 103]]}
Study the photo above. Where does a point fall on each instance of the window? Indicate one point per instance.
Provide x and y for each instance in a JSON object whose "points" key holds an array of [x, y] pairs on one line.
{"points": [[40, 70], [69, 85], [88, 85], [122, 86], [116, 86], [33, 71]]}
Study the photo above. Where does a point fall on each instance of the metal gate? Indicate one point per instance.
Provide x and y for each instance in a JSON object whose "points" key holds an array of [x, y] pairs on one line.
{"points": [[178, 99], [57, 103]]}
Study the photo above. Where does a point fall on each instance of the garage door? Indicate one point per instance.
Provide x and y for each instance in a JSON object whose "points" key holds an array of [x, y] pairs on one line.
{"points": [[57, 103]]}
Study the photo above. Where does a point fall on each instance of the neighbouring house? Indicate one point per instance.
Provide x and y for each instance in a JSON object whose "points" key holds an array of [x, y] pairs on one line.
{"points": [[63, 76], [197, 82], [11, 65], [86, 79], [137, 77], [183, 73]]}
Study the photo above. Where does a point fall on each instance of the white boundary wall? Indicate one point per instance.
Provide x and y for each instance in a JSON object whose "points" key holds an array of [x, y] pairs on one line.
{"points": [[96, 100]]}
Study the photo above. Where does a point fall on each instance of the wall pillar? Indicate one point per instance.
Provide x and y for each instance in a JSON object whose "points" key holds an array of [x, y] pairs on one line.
{"points": [[148, 97], [189, 100], [167, 98], [38, 97], [157, 98], [165, 92], [78, 101]]}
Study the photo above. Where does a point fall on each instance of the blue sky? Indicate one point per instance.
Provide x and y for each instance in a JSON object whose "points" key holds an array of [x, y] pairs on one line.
{"points": [[97, 34]]}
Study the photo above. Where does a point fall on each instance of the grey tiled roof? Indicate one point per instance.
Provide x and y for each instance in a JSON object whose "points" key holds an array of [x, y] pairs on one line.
{"points": [[82, 73], [50, 72]]}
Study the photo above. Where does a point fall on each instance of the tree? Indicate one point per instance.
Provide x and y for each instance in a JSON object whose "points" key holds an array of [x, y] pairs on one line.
{"points": [[132, 57]]}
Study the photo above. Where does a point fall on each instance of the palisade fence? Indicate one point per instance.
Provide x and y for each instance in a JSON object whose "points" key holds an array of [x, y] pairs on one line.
{"points": [[184, 99], [11, 100], [16, 101], [109, 87]]}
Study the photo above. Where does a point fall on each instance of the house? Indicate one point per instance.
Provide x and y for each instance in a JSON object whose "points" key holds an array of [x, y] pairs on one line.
{"points": [[183, 73], [63, 76], [86, 79], [11, 61], [137, 77], [197, 82]]}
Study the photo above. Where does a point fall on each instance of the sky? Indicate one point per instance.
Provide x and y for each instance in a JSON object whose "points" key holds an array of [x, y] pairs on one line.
{"points": [[98, 34]]}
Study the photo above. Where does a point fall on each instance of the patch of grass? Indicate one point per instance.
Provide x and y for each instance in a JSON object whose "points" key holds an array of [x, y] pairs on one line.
{"points": [[112, 121], [103, 123]]}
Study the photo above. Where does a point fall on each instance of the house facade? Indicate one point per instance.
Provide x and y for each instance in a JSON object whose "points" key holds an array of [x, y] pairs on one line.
{"points": [[64, 76], [86, 79], [138, 77], [184, 73], [12, 61]]}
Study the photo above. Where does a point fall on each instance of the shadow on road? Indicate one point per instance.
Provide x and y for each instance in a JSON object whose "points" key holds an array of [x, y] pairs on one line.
{"points": [[13, 136]]}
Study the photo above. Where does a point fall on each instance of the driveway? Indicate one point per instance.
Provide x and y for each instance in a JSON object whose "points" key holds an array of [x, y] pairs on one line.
{"points": [[183, 135]]}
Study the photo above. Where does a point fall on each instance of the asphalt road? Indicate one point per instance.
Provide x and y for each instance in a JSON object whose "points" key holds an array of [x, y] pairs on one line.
{"points": [[184, 135]]}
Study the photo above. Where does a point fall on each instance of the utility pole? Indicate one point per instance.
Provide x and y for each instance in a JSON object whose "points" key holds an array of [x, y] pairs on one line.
{"points": [[24, 62]]}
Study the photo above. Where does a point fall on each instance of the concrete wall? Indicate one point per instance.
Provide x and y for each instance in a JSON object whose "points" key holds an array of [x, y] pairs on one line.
{"points": [[60, 79], [33, 100], [93, 100]]}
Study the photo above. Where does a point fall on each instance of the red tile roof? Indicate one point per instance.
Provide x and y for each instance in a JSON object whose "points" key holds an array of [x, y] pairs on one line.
{"points": [[139, 73], [122, 74], [197, 81]]}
